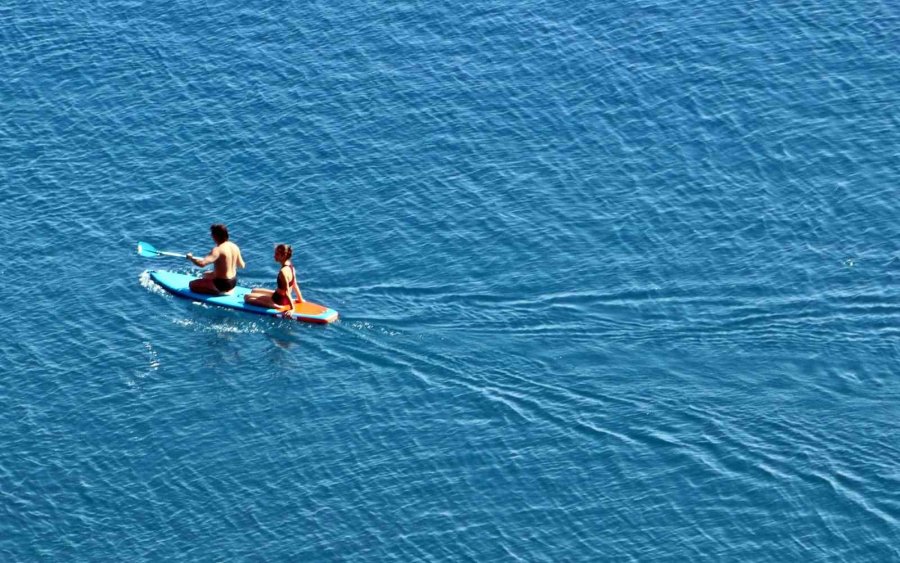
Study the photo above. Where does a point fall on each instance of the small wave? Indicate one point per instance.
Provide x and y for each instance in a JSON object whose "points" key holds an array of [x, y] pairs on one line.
{"points": [[370, 327], [146, 370], [248, 327], [149, 285]]}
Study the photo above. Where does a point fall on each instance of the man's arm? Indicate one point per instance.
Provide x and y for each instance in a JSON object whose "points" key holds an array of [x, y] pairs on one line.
{"points": [[240, 260], [207, 260]]}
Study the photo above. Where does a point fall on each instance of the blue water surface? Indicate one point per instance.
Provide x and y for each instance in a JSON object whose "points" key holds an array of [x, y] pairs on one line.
{"points": [[617, 281]]}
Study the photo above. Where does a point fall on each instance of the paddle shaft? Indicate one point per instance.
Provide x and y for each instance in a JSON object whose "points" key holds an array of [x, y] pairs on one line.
{"points": [[147, 250]]}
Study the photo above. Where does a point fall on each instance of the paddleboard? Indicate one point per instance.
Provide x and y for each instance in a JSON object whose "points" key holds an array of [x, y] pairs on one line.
{"points": [[178, 285]]}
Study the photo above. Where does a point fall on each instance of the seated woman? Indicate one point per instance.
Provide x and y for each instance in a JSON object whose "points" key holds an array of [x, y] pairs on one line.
{"points": [[287, 283]]}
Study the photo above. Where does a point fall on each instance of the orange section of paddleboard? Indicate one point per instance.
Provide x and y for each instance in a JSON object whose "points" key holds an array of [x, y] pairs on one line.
{"points": [[308, 310]]}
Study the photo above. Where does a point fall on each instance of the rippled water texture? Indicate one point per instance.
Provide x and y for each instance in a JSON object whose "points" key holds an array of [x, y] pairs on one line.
{"points": [[618, 281]]}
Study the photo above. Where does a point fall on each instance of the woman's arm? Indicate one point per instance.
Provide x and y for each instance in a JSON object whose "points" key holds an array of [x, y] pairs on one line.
{"points": [[297, 289]]}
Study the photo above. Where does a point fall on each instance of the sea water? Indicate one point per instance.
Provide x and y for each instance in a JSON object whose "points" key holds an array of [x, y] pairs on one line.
{"points": [[617, 281]]}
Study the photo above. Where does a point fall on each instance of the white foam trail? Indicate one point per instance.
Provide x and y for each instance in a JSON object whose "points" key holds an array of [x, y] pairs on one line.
{"points": [[149, 285]]}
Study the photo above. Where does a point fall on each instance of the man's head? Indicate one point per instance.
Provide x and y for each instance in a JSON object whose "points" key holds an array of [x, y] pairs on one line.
{"points": [[219, 233]]}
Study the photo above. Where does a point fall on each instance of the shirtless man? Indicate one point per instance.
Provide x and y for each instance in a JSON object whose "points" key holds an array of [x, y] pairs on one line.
{"points": [[226, 257]]}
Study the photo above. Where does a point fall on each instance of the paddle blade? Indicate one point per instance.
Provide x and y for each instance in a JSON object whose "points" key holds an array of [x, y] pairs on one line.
{"points": [[147, 250]]}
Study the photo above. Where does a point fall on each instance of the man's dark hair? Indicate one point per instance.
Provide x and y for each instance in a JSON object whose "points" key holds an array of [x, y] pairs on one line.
{"points": [[219, 232]]}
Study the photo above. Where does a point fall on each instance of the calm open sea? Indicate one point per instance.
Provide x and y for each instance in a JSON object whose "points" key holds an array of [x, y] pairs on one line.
{"points": [[618, 280]]}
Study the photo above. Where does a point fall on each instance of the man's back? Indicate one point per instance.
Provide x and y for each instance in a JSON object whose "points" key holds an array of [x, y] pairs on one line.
{"points": [[228, 260]]}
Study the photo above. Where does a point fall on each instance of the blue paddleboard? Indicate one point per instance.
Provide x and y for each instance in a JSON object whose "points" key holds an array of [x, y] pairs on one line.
{"points": [[177, 284]]}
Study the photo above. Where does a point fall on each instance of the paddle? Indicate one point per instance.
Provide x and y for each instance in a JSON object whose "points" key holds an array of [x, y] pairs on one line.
{"points": [[147, 250]]}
